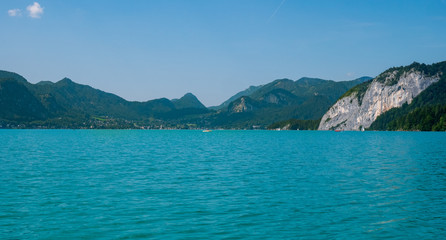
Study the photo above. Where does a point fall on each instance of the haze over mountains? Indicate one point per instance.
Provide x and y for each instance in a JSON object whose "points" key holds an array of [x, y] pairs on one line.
{"points": [[66, 104]]}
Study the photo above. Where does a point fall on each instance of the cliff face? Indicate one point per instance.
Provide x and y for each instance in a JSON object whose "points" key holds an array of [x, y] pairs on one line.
{"points": [[244, 104], [391, 89]]}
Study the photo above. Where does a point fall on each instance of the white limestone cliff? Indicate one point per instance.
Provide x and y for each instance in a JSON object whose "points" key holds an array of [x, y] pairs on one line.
{"points": [[351, 113]]}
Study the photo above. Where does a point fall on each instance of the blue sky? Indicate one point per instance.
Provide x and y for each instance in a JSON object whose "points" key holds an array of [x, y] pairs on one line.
{"points": [[142, 50]]}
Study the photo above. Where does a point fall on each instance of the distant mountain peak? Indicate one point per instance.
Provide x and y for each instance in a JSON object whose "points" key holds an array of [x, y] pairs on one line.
{"points": [[246, 92], [44, 83], [189, 100], [364, 78], [185, 97], [65, 81], [308, 80], [282, 81], [189, 95]]}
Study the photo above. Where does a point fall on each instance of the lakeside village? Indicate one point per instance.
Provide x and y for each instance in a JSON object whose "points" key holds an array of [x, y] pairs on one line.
{"points": [[104, 122]]}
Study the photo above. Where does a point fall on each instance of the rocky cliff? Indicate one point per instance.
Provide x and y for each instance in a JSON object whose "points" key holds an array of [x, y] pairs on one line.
{"points": [[243, 104], [361, 105]]}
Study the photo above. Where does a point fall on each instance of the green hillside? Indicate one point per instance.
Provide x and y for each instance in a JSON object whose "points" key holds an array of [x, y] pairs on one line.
{"points": [[66, 104], [282, 99], [187, 101], [245, 92], [18, 103]]}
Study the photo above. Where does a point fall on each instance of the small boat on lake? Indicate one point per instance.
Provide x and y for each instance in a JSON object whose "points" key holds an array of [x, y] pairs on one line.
{"points": [[206, 130]]}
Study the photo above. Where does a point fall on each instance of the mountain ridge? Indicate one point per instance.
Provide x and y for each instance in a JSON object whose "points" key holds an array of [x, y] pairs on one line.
{"points": [[76, 104], [297, 103], [280, 100]]}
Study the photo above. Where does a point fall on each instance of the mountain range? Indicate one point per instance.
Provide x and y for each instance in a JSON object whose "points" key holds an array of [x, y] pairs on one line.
{"points": [[283, 103], [306, 98], [66, 104]]}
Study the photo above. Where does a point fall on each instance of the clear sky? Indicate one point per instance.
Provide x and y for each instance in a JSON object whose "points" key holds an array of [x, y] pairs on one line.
{"points": [[147, 49]]}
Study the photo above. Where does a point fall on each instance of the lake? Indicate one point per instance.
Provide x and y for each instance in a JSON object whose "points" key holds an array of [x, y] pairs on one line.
{"points": [[180, 184]]}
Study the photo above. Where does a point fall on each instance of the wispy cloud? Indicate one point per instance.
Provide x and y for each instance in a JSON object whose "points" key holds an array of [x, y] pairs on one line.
{"points": [[35, 10], [277, 9], [15, 12]]}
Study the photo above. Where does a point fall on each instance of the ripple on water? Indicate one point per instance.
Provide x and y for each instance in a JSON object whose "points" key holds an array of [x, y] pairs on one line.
{"points": [[222, 185]]}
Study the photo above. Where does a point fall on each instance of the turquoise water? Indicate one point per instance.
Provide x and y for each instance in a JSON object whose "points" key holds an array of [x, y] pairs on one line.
{"points": [[136, 184]]}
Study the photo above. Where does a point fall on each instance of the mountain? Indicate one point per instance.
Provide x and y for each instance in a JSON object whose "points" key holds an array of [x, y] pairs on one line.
{"points": [[303, 88], [187, 101], [282, 99], [12, 76], [18, 103], [69, 104], [395, 88], [303, 82], [66, 97], [72, 105], [414, 93], [426, 112], [238, 95]]}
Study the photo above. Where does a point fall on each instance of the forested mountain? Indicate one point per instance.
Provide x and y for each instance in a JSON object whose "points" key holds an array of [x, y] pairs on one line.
{"points": [[293, 104], [282, 99], [410, 97], [68, 104], [187, 101], [18, 103], [245, 92]]}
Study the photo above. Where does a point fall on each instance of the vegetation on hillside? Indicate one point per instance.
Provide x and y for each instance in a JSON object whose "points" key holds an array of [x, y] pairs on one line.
{"points": [[392, 75], [66, 104], [359, 90], [429, 118], [306, 99], [187, 101], [246, 92]]}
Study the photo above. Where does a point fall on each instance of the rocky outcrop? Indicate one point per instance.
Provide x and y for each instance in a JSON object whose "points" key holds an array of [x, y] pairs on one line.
{"points": [[243, 104], [358, 108]]}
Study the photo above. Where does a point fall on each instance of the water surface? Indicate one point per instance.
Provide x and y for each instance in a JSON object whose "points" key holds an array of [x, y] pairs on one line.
{"points": [[136, 184]]}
